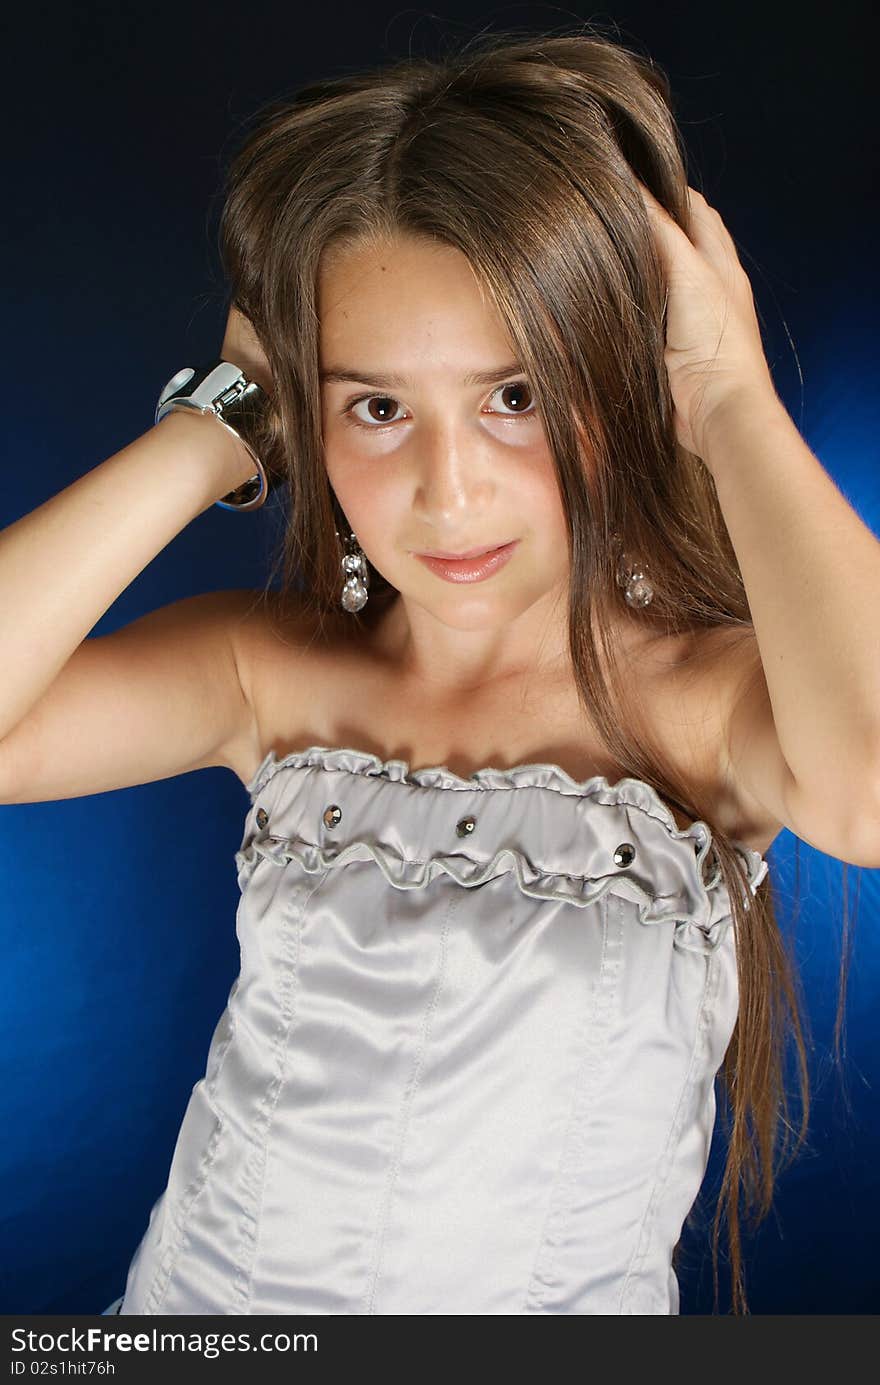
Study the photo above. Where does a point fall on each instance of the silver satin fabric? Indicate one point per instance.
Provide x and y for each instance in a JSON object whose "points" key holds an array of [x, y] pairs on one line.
{"points": [[459, 1072]]}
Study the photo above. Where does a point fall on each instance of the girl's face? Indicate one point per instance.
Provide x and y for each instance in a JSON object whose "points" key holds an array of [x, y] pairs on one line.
{"points": [[422, 458]]}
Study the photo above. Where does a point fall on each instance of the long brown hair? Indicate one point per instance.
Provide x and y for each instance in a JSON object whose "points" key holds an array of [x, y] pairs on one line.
{"points": [[520, 151]]}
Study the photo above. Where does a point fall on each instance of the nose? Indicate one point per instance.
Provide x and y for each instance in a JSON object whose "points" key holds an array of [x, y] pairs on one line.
{"points": [[453, 478]]}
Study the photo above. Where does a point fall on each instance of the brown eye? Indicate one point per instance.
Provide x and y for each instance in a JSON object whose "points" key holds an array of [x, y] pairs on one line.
{"points": [[380, 407], [517, 397]]}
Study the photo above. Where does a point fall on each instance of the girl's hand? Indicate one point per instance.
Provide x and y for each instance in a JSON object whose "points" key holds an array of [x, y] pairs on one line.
{"points": [[241, 347], [713, 342]]}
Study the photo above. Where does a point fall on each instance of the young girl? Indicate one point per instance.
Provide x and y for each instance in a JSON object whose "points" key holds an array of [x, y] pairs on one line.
{"points": [[572, 623]]}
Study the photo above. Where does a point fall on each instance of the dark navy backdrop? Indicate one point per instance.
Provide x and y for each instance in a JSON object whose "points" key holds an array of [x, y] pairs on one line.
{"points": [[118, 909]]}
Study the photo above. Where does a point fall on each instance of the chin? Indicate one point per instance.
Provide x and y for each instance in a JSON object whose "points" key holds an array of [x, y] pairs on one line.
{"points": [[466, 608]]}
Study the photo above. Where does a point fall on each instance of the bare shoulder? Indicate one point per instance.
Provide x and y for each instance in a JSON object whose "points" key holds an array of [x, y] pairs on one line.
{"points": [[276, 639], [757, 793], [721, 678]]}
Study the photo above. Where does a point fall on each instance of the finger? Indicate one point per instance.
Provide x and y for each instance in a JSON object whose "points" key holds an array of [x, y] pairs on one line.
{"points": [[711, 236], [673, 243], [706, 236]]}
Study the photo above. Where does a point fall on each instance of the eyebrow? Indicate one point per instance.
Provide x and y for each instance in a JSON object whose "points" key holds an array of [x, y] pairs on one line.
{"points": [[363, 377]]}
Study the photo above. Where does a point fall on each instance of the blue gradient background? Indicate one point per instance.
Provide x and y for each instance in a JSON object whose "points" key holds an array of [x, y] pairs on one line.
{"points": [[118, 909]]}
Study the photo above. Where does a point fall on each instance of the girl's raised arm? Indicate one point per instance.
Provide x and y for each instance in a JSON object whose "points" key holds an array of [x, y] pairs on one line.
{"points": [[156, 698]]}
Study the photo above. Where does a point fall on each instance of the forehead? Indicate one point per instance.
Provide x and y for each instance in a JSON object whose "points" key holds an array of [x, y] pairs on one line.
{"points": [[404, 296], [345, 261]]}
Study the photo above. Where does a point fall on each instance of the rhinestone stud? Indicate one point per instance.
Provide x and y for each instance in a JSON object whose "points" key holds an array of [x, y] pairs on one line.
{"points": [[262, 817], [465, 827], [332, 815], [625, 854]]}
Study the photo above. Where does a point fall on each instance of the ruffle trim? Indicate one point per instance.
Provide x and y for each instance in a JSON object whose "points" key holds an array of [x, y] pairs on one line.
{"points": [[702, 929]]}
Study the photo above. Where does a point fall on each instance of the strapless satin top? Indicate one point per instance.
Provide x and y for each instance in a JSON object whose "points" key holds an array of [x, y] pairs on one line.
{"points": [[467, 1065]]}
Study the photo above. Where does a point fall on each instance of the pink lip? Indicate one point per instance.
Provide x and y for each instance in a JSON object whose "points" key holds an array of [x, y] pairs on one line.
{"points": [[471, 569]]}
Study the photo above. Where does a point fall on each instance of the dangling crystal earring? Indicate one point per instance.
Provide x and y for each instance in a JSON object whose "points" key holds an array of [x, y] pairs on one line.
{"points": [[633, 578], [355, 577]]}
